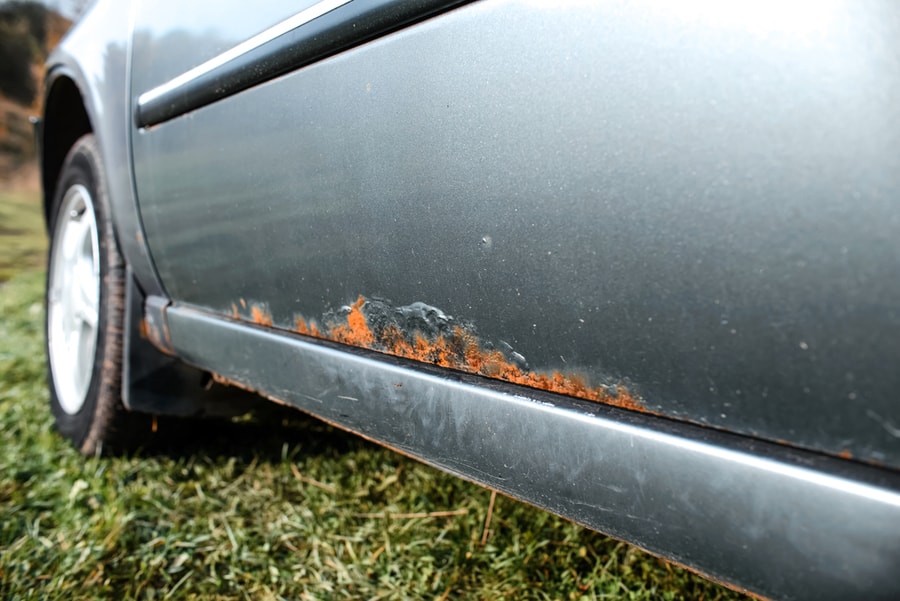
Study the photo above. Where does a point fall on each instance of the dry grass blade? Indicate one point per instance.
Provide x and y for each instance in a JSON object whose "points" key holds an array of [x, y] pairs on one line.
{"points": [[486, 531], [412, 516], [306, 480]]}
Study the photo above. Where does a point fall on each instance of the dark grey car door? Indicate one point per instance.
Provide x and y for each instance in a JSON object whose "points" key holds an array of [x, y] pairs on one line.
{"points": [[689, 212]]}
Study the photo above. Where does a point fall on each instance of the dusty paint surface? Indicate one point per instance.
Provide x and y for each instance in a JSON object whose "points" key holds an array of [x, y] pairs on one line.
{"points": [[423, 333]]}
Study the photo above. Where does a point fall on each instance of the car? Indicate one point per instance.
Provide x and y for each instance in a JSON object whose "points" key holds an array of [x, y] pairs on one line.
{"points": [[637, 264]]}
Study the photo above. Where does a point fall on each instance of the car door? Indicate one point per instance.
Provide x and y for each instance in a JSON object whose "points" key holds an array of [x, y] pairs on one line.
{"points": [[689, 212]]}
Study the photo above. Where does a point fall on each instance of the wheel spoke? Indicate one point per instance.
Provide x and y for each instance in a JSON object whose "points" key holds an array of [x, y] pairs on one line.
{"points": [[85, 301], [84, 359], [75, 233]]}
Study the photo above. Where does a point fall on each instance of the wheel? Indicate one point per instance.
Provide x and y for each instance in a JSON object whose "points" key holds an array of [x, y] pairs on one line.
{"points": [[85, 306]]}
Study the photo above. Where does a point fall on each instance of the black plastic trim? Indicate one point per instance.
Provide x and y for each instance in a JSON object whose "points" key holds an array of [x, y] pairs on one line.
{"points": [[343, 28]]}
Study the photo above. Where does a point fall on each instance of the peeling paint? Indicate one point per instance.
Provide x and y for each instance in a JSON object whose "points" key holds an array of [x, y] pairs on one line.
{"points": [[424, 333]]}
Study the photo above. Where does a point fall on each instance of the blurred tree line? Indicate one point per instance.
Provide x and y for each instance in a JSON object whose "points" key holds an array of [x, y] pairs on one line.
{"points": [[28, 31], [23, 42]]}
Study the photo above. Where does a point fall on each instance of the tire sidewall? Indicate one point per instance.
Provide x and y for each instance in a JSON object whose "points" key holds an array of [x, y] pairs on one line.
{"points": [[83, 166]]}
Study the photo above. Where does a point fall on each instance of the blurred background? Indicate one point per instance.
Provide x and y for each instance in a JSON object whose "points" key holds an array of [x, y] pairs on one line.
{"points": [[29, 30]]}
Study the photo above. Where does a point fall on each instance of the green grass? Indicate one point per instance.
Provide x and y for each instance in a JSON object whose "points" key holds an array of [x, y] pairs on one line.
{"points": [[23, 240], [270, 508]]}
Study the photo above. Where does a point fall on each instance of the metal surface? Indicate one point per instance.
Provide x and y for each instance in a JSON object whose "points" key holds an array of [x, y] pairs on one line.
{"points": [[170, 41], [95, 56], [185, 79], [73, 298], [785, 524], [324, 29], [698, 201]]}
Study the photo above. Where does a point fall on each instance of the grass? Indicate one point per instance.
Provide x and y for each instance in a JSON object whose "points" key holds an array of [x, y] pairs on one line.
{"points": [[273, 507], [23, 240]]}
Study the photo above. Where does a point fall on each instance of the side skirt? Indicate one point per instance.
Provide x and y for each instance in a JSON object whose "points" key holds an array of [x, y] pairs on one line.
{"points": [[766, 518]]}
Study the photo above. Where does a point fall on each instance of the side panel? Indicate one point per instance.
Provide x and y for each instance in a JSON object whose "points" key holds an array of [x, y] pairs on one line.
{"points": [[698, 203]]}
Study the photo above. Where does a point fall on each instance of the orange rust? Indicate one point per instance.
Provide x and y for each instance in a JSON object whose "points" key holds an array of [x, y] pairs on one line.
{"points": [[307, 329], [459, 350], [845, 454], [234, 311], [261, 316], [301, 327], [144, 329], [356, 332]]}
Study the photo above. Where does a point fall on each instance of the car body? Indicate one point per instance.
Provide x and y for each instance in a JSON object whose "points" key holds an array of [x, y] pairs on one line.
{"points": [[634, 263]]}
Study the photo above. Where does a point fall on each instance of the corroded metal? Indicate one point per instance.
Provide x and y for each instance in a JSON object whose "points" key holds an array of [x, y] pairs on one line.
{"points": [[421, 332]]}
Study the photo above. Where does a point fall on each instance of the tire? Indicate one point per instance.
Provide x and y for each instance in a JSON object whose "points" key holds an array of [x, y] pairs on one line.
{"points": [[85, 307]]}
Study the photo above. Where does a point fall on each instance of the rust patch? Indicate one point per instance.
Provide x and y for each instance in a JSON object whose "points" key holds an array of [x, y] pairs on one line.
{"points": [[845, 454], [261, 316], [356, 331], [423, 333], [311, 329], [144, 329]]}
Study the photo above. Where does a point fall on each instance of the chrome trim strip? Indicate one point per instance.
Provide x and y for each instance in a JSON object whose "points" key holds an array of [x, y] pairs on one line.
{"points": [[302, 18], [767, 518], [321, 31]]}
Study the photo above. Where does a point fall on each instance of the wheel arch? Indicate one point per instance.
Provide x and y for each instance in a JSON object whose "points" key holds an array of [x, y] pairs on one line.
{"points": [[65, 120]]}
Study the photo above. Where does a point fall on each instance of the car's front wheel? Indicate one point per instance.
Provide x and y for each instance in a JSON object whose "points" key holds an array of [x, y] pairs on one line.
{"points": [[85, 306]]}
